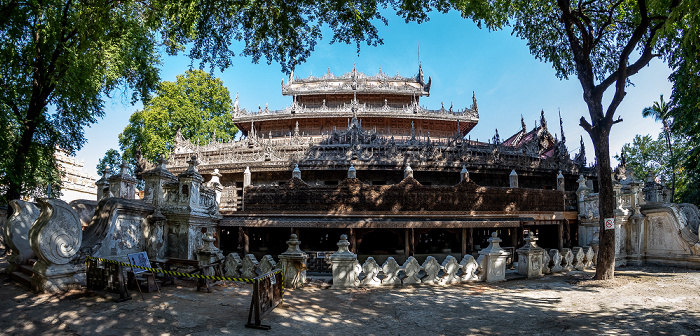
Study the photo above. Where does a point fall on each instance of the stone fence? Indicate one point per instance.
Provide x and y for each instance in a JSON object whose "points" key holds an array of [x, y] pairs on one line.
{"points": [[490, 266]]}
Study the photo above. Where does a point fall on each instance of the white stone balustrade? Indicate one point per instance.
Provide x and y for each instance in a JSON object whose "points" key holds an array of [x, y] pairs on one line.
{"points": [[555, 261], [567, 259], [249, 267], [579, 256], [589, 254], [451, 269], [391, 271], [371, 270], [411, 268], [545, 263], [232, 265]]}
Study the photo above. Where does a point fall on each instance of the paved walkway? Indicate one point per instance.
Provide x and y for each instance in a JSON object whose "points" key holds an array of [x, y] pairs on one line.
{"points": [[648, 300]]}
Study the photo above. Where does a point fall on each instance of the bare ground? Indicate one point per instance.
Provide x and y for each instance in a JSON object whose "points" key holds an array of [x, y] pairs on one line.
{"points": [[641, 300]]}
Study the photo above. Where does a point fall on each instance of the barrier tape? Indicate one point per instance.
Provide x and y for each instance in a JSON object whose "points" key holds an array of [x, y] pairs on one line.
{"points": [[198, 276]]}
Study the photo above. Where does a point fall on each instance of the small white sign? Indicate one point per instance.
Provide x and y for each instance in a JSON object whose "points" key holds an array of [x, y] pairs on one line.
{"points": [[321, 255], [609, 223], [273, 280]]}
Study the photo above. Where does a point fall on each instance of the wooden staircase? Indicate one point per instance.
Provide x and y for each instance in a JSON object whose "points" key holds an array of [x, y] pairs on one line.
{"points": [[23, 274]]}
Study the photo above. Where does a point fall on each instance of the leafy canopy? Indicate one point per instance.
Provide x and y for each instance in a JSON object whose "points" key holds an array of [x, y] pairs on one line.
{"points": [[57, 60], [196, 104], [112, 161]]}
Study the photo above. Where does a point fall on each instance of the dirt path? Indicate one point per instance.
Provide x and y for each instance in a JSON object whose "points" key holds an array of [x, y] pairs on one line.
{"points": [[647, 300]]}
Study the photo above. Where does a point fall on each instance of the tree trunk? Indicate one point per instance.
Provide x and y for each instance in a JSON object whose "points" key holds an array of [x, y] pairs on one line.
{"points": [[667, 134], [18, 167], [605, 268]]}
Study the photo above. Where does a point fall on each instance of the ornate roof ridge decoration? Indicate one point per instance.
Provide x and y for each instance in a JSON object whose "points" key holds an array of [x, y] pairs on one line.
{"points": [[366, 146], [414, 108], [355, 81]]}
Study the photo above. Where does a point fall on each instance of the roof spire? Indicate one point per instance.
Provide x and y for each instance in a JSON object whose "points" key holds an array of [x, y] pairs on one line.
{"points": [[474, 107], [561, 127], [522, 123], [543, 122]]}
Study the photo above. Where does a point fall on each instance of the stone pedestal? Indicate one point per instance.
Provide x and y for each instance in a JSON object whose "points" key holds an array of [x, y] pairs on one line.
{"points": [[344, 263], [208, 254], [16, 233], [492, 261], [55, 239], [530, 258], [293, 264]]}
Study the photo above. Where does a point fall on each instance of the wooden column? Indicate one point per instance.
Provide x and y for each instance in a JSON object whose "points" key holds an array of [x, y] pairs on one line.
{"points": [[244, 240], [413, 242], [353, 241], [471, 240], [407, 243], [514, 236], [560, 230], [464, 242]]}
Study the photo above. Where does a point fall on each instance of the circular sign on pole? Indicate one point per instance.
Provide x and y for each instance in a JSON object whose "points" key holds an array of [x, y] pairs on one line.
{"points": [[609, 223]]}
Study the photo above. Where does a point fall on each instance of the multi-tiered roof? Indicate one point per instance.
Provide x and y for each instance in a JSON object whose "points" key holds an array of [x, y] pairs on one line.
{"points": [[387, 104]]}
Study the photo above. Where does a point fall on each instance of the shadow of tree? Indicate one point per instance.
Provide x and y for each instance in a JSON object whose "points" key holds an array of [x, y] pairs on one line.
{"points": [[639, 302]]}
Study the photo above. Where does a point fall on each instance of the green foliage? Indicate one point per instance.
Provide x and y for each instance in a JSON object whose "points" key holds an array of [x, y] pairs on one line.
{"points": [[647, 155], [281, 31], [57, 59], [196, 104], [111, 160]]}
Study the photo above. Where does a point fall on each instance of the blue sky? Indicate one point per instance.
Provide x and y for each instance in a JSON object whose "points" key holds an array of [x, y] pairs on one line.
{"points": [[460, 58]]}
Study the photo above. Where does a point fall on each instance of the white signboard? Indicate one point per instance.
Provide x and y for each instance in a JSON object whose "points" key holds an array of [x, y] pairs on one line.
{"points": [[139, 259], [609, 223]]}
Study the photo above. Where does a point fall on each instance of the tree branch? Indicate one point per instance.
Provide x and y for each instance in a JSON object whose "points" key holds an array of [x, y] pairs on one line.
{"points": [[586, 126]]}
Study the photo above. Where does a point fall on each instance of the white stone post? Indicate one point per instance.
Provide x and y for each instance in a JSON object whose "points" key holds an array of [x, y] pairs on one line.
{"points": [[513, 179], [492, 261], [246, 177], [352, 172], [294, 264], [215, 184], [343, 262], [464, 174], [408, 172], [582, 192], [296, 173], [560, 181], [530, 258]]}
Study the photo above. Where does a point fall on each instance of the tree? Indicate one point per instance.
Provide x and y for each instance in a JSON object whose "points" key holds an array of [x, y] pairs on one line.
{"points": [[659, 111], [646, 155], [59, 57], [196, 104], [111, 160], [603, 43]]}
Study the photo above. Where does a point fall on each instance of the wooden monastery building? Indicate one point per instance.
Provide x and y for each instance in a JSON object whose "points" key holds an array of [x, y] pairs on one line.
{"points": [[357, 155]]}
